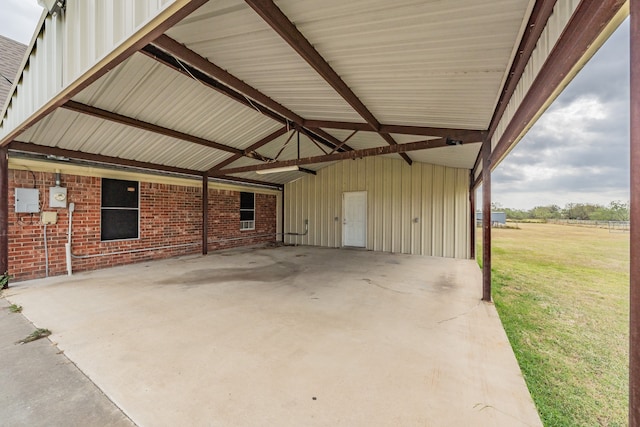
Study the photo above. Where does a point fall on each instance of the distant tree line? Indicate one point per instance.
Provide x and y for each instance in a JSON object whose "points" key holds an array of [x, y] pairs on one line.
{"points": [[614, 211]]}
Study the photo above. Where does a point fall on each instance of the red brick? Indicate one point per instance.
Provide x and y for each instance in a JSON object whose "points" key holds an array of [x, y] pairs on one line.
{"points": [[169, 215]]}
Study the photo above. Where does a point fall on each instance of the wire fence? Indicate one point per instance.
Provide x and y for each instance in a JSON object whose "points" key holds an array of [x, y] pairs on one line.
{"points": [[612, 226]]}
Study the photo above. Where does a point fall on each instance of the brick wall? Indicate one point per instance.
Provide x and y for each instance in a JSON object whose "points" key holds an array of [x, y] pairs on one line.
{"points": [[169, 215], [224, 220]]}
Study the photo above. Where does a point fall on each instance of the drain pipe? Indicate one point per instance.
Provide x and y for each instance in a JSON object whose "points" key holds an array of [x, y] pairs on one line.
{"points": [[67, 246], [306, 230], [46, 253]]}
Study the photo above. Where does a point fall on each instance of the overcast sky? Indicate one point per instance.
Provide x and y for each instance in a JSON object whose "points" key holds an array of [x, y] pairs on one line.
{"points": [[577, 152], [18, 19], [579, 149]]}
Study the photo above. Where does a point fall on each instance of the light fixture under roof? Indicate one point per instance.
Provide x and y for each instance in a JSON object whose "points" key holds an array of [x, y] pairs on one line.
{"points": [[53, 6], [277, 170]]}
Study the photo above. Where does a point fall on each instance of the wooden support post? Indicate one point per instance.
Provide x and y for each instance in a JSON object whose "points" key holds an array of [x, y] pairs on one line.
{"points": [[486, 220], [4, 212], [472, 219], [634, 283], [282, 215], [205, 213]]}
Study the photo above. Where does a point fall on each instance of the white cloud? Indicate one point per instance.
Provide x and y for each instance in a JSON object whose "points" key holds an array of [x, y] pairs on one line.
{"points": [[19, 18], [578, 151]]}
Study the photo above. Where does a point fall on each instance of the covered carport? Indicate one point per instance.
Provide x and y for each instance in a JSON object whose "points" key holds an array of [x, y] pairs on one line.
{"points": [[229, 90]]}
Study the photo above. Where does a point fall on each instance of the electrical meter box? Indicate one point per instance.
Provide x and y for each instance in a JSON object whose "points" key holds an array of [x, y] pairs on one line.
{"points": [[48, 217], [27, 200], [57, 197]]}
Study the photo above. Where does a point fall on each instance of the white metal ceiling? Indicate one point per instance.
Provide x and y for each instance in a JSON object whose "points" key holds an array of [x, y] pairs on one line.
{"points": [[411, 62]]}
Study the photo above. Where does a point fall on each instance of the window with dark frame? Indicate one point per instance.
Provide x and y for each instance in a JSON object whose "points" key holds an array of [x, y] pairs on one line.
{"points": [[119, 210], [247, 211]]}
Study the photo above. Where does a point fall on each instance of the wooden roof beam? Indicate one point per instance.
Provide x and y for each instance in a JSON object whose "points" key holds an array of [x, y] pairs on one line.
{"points": [[98, 158], [587, 22], [281, 24], [229, 85], [117, 161], [540, 14], [465, 135], [355, 154], [139, 124], [247, 151], [109, 62]]}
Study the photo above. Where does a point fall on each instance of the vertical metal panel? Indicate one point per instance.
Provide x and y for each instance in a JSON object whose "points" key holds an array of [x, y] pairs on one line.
{"points": [[396, 208], [437, 211], [557, 21], [462, 209], [406, 222], [427, 212], [336, 192], [387, 189], [448, 220], [396, 194], [416, 209], [327, 221], [378, 173], [70, 44]]}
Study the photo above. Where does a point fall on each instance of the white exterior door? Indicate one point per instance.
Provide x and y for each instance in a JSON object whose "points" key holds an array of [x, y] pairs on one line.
{"points": [[354, 219]]}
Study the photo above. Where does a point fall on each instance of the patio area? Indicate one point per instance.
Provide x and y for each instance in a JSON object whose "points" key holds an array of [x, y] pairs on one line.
{"points": [[288, 336]]}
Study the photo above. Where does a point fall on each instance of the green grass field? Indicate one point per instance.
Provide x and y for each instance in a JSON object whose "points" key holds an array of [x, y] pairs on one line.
{"points": [[562, 295]]}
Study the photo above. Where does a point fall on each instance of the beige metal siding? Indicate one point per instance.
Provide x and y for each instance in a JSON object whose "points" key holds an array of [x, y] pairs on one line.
{"points": [[73, 42], [438, 52], [419, 209]]}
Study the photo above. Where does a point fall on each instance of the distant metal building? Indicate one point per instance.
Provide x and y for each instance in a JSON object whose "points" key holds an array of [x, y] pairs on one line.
{"points": [[496, 218]]}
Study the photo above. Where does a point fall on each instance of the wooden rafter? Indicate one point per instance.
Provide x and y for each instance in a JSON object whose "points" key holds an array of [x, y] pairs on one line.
{"points": [[540, 14], [464, 135], [355, 154], [344, 141], [281, 24], [117, 161], [105, 66], [240, 91], [587, 22], [139, 124], [98, 158], [247, 151]]}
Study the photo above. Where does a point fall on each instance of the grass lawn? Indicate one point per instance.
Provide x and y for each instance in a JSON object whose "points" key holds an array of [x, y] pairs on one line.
{"points": [[562, 295]]}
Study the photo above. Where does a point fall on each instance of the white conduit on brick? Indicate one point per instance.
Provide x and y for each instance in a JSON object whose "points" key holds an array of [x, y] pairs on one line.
{"points": [[46, 253]]}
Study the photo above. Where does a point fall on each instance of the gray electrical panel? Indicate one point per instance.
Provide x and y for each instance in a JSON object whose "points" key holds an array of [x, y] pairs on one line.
{"points": [[57, 197], [27, 200]]}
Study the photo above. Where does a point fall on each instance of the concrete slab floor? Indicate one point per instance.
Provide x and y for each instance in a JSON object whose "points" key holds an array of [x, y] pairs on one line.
{"points": [[288, 336], [40, 386]]}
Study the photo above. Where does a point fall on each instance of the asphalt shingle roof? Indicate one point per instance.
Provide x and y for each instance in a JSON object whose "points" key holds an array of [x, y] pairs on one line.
{"points": [[11, 54]]}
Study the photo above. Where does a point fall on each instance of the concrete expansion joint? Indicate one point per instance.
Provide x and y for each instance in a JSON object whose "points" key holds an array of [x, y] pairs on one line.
{"points": [[461, 314]]}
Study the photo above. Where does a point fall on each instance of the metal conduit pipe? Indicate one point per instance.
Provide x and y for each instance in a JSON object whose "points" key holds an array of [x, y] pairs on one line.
{"points": [[67, 246], [306, 231], [46, 253]]}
